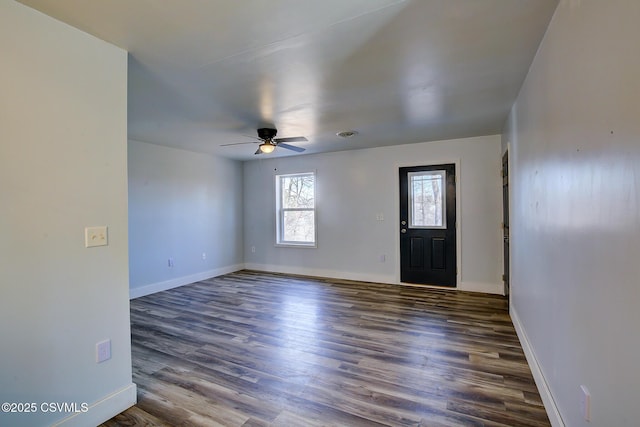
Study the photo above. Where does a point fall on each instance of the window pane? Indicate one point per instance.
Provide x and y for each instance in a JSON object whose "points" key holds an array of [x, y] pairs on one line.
{"points": [[299, 226], [427, 199], [297, 191]]}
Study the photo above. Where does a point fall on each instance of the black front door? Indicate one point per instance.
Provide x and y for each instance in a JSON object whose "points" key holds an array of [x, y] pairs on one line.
{"points": [[428, 225]]}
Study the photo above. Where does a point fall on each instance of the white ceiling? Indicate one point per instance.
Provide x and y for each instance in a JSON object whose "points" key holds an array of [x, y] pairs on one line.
{"points": [[208, 72]]}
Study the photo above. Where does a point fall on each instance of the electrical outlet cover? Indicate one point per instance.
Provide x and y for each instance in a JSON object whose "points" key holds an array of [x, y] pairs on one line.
{"points": [[95, 236]]}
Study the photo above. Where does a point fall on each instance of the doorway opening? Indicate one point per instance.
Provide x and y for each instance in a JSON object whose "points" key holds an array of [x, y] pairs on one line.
{"points": [[505, 221]]}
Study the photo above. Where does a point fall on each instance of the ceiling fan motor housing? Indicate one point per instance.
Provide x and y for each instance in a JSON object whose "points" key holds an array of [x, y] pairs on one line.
{"points": [[267, 133]]}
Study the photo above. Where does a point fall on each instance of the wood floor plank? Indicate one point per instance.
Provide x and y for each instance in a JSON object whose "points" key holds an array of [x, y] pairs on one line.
{"points": [[256, 349], [135, 417]]}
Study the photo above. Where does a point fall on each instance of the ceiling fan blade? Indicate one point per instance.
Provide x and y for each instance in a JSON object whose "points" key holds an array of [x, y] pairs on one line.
{"points": [[292, 139], [239, 143], [291, 147]]}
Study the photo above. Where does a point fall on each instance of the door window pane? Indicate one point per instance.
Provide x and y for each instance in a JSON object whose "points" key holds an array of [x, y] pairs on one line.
{"points": [[427, 203]]}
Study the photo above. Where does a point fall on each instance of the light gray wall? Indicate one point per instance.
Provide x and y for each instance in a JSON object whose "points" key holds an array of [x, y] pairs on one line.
{"points": [[353, 187], [574, 134], [63, 166], [181, 204]]}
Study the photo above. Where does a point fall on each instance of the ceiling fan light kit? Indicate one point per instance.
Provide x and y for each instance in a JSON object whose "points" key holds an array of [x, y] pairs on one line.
{"points": [[267, 147], [268, 142]]}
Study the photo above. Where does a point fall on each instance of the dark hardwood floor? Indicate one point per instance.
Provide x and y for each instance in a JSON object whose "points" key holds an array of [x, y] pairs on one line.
{"points": [[257, 349]]}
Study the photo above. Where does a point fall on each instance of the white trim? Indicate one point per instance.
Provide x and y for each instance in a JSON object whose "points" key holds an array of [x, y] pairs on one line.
{"points": [[104, 409], [319, 272], [489, 288], [543, 388], [296, 245], [152, 288], [280, 211], [484, 287]]}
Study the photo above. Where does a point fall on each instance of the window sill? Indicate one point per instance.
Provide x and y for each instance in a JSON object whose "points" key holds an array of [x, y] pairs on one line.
{"points": [[297, 245]]}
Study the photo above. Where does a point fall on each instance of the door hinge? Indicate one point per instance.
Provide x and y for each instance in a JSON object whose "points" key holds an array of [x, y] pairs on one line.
{"points": [[504, 277]]}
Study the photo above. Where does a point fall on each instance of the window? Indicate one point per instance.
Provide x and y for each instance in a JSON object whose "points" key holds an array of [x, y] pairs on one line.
{"points": [[296, 210], [427, 202]]}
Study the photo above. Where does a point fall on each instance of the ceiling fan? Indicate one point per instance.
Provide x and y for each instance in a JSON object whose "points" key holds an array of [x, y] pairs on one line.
{"points": [[268, 142]]}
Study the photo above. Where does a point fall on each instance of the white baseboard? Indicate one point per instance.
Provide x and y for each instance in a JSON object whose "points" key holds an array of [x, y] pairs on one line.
{"points": [[319, 272], [487, 288], [103, 409], [152, 288], [543, 388]]}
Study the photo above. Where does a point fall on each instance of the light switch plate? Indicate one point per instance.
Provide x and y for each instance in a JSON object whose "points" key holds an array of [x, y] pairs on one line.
{"points": [[95, 236], [103, 351]]}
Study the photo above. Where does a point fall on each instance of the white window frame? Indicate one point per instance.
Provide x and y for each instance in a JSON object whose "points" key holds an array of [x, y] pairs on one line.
{"points": [[280, 213]]}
